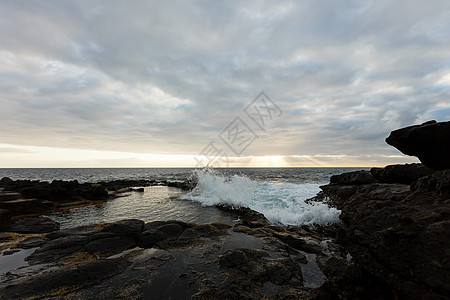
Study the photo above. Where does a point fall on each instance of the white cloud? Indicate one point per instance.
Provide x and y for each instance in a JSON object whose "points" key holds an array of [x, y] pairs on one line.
{"points": [[166, 77]]}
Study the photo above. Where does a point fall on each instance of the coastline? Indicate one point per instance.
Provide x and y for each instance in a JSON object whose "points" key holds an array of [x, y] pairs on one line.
{"points": [[252, 259]]}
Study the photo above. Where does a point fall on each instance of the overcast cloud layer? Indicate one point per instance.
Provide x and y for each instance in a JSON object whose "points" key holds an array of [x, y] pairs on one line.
{"points": [[166, 77]]}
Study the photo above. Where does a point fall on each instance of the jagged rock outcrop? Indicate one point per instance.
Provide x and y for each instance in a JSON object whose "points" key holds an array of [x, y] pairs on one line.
{"points": [[396, 232], [430, 142], [405, 174]]}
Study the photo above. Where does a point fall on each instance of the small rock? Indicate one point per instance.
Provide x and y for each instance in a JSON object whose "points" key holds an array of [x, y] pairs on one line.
{"points": [[10, 251]]}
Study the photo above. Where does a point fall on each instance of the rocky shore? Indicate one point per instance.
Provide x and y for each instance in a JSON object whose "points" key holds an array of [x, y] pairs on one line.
{"points": [[393, 241], [26, 197]]}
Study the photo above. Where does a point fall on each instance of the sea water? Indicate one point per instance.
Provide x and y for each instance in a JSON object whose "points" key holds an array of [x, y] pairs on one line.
{"points": [[280, 201], [279, 193]]}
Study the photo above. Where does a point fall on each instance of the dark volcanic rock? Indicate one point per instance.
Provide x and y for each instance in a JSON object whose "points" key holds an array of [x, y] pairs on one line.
{"points": [[242, 258], [27, 206], [249, 217], [171, 229], [439, 183], [85, 230], [205, 230], [112, 245], [41, 197], [430, 142], [57, 249], [57, 190], [60, 281], [184, 185], [400, 235], [32, 242], [34, 225], [257, 265], [356, 177], [95, 192], [299, 244], [5, 219], [7, 196], [131, 227], [197, 261], [149, 238], [401, 173], [154, 225]]}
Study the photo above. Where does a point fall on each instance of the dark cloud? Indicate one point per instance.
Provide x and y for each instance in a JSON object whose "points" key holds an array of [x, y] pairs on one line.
{"points": [[169, 76]]}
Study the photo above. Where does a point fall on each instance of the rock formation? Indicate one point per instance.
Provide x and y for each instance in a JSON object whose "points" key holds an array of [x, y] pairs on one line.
{"points": [[430, 142]]}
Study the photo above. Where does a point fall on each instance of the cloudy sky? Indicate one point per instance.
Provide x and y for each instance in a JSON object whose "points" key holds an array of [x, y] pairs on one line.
{"points": [[155, 83]]}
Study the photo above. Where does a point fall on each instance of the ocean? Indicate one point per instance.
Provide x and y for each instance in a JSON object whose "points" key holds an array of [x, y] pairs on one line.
{"points": [[278, 193]]}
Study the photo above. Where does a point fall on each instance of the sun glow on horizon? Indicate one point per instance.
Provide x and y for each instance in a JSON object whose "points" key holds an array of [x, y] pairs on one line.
{"points": [[268, 161], [18, 156]]}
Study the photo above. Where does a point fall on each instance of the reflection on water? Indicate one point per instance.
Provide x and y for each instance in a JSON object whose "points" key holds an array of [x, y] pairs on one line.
{"points": [[157, 203]]}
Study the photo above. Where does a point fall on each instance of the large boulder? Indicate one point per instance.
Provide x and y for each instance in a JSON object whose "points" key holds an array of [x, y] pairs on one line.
{"points": [[430, 142]]}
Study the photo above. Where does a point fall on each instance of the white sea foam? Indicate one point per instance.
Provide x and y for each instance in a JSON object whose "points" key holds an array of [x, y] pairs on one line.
{"points": [[280, 202]]}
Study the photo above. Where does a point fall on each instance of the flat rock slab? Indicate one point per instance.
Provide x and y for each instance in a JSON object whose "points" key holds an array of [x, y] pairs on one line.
{"points": [[5, 196], [33, 242], [34, 225]]}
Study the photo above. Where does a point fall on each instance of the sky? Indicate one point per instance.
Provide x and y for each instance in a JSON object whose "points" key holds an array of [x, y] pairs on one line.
{"points": [[179, 83]]}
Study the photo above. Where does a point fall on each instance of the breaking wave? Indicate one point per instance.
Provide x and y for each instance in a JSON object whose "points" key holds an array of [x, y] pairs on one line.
{"points": [[280, 202]]}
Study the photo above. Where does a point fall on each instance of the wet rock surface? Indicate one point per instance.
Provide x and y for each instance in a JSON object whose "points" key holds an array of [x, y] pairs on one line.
{"points": [[250, 260]]}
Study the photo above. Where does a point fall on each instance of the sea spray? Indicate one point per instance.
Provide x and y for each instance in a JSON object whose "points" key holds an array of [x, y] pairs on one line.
{"points": [[280, 202], [214, 188]]}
